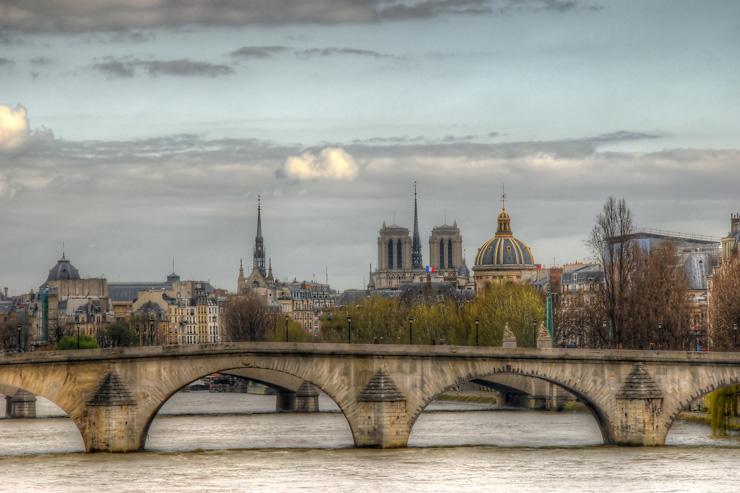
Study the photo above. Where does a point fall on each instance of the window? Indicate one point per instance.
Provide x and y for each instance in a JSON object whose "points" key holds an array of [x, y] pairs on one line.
{"points": [[441, 254], [449, 254], [399, 255], [390, 254]]}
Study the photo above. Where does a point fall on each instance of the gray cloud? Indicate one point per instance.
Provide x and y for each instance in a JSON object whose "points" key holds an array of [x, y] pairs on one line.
{"points": [[259, 52], [128, 67], [204, 190], [6, 62], [41, 60], [75, 16], [325, 52]]}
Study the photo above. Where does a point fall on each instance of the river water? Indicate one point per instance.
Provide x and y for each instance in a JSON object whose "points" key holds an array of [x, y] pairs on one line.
{"points": [[239, 445]]}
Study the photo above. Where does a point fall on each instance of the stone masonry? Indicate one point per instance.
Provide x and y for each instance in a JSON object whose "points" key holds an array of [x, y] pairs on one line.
{"points": [[112, 395]]}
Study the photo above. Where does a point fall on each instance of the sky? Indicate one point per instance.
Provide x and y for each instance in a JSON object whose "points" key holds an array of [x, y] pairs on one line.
{"points": [[138, 131]]}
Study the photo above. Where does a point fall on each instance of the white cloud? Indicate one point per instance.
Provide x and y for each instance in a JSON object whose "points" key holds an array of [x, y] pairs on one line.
{"points": [[13, 127], [332, 163]]}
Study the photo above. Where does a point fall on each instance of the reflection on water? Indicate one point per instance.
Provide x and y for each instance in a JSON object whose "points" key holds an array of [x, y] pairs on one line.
{"points": [[508, 451]]}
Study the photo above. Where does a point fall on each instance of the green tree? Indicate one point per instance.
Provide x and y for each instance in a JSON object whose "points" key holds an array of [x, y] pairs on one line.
{"points": [[72, 342], [439, 319], [118, 334], [723, 405]]}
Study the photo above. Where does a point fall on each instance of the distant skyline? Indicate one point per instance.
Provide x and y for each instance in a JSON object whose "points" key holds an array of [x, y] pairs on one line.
{"points": [[140, 131]]}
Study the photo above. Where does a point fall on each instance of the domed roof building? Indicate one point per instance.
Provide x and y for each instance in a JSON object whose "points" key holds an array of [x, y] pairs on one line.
{"points": [[503, 257], [63, 271]]}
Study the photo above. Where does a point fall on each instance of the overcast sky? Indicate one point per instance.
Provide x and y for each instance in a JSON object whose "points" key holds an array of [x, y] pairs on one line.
{"points": [[140, 131]]}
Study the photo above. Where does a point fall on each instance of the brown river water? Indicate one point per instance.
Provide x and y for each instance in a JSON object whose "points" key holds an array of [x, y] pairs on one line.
{"points": [[232, 442]]}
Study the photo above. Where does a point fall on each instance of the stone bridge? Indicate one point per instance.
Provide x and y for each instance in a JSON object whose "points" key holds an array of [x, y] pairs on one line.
{"points": [[112, 395]]}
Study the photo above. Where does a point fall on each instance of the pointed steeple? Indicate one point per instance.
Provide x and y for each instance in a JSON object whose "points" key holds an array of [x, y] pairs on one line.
{"points": [[416, 260], [241, 268], [269, 271], [259, 216], [258, 261]]}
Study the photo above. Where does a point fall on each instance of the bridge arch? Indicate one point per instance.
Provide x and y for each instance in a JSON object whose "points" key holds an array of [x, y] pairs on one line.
{"points": [[264, 373], [597, 410], [64, 395], [671, 414]]}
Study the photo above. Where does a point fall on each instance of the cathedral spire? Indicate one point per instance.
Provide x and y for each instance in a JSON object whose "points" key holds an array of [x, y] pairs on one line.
{"points": [[416, 260], [258, 261]]}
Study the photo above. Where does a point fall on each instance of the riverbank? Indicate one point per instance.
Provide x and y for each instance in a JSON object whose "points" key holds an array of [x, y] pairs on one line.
{"points": [[703, 418]]}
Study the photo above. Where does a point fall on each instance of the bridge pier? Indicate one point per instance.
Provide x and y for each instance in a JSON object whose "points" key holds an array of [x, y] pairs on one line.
{"points": [[284, 401], [381, 420], [307, 398], [21, 405], [109, 422], [638, 409]]}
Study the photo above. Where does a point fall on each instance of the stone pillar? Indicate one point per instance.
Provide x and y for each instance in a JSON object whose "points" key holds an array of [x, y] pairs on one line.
{"points": [[381, 419], [285, 401], [109, 422], [21, 405], [307, 398], [509, 341], [639, 405]]}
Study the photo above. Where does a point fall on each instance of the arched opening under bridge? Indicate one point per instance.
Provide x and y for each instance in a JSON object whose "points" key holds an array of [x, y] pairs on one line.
{"points": [[200, 419], [509, 409], [33, 424], [690, 422]]}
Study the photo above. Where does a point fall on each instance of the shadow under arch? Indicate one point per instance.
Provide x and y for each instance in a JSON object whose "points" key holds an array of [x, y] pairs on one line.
{"points": [[234, 371], [598, 414], [673, 415]]}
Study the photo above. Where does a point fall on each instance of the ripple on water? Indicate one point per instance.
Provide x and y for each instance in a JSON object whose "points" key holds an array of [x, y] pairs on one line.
{"points": [[505, 451]]}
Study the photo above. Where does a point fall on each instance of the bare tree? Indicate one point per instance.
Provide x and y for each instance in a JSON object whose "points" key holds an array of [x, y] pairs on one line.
{"points": [[656, 301], [9, 335], [724, 306], [247, 318], [581, 318], [613, 249]]}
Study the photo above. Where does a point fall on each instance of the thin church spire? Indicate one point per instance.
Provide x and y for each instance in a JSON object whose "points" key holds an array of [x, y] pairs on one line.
{"points": [[258, 261], [416, 259]]}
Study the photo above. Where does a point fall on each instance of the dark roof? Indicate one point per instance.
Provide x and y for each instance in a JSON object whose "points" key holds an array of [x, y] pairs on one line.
{"points": [[63, 271], [129, 291], [506, 250], [6, 306]]}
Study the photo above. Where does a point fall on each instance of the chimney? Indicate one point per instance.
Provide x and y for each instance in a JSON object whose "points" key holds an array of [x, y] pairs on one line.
{"points": [[5, 292]]}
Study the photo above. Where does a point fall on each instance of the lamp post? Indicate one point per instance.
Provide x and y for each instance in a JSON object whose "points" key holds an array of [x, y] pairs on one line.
{"points": [[477, 331], [411, 330], [534, 331], [78, 336], [660, 335], [734, 336], [286, 327], [349, 329], [20, 329]]}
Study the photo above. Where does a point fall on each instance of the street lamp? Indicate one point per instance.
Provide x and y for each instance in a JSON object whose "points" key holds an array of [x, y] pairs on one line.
{"points": [[534, 331], [78, 336], [411, 330], [286, 327], [349, 329], [477, 330], [660, 335], [20, 329], [734, 336]]}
